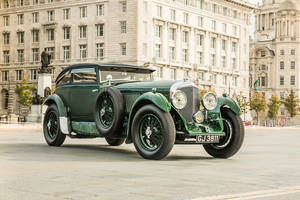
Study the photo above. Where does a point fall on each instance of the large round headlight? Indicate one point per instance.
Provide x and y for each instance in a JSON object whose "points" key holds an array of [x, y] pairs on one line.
{"points": [[209, 101], [179, 99]]}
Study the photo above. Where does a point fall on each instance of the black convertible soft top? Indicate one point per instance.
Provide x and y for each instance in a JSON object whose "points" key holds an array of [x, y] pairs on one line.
{"points": [[109, 67]]}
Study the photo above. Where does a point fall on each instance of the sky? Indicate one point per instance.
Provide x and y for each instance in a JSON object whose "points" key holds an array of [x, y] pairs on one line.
{"points": [[252, 19]]}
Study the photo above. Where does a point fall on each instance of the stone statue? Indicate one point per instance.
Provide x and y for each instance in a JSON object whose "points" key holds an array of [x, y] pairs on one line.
{"points": [[45, 59]]}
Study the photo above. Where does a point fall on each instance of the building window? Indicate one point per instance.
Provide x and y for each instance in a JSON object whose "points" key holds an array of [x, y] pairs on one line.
{"points": [[281, 80], [235, 81], [224, 11], [50, 34], [83, 12], [20, 19], [4, 75], [20, 2], [5, 98], [20, 55], [224, 28], [100, 50], [67, 52], [234, 47], [99, 30], [172, 34], [66, 13], [35, 35], [100, 10], [223, 61], [173, 14], [172, 53], [83, 51], [160, 72], [293, 52], [293, 80], [35, 55], [35, 2], [19, 75], [82, 31], [66, 33], [199, 4], [263, 81], [173, 74], [123, 5], [6, 57], [199, 58], [123, 27], [185, 18], [185, 55], [233, 63], [33, 74], [158, 51], [281, 64], [51, 16], [212, 60], [262, 53], [6, 37], [214, 79], [123, 49], [158, 31], [213, 43], [50, 1], [214, 8], [185, 36], [6, 20], [224, 44], [234, 30], [282, 52], [51, 52], [35, 17], [158, 11], [281, 95], [20, 36], [200, 21], [293, 64], [6, 4], [201, 76], [213, 25], [199, 40]]}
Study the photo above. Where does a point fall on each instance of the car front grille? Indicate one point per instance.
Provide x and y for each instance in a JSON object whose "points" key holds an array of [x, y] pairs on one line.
{"points": [[193, 102]]}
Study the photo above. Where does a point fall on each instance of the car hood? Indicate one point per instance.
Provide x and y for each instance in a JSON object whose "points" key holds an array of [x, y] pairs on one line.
{"points": [[146, 86]]}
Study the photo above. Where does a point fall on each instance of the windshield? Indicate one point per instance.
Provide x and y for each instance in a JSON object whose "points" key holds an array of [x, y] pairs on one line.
{"points": [[127, 76]]}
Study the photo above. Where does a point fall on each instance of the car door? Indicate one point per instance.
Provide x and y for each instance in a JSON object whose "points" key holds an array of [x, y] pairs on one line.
{"points": [[83, 93], [63, 87]]}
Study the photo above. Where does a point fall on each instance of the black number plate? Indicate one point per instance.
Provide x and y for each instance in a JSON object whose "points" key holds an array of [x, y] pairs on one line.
{"points": [[207, 139]]}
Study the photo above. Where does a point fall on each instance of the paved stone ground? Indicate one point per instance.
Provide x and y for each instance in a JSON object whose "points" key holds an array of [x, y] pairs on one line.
{"points": [[268, 164]]}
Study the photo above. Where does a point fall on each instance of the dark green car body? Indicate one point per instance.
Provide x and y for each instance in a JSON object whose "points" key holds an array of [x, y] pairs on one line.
{"points": [[76, 101]]}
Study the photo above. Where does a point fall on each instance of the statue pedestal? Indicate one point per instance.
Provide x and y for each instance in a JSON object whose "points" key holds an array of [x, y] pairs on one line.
{"points": [[36, 113], [44, 81]]}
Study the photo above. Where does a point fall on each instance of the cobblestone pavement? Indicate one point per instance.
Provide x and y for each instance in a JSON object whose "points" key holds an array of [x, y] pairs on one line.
{"points": [[266, 168]]}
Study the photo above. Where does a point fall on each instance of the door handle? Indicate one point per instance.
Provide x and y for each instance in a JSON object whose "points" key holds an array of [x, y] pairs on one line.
{"points": [[95, 90]]}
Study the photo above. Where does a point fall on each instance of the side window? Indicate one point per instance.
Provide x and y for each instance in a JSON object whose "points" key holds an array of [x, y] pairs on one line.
{"points": [[84, 75], [64, 79]]}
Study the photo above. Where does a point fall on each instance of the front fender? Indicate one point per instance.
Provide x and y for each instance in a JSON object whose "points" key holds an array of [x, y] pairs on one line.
{"points": [[62, 111], [155, 98], [228, 102]]}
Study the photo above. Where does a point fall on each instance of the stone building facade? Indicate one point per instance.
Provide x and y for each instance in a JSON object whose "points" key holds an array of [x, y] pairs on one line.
{"points": [[274, 54], [207, 41]]}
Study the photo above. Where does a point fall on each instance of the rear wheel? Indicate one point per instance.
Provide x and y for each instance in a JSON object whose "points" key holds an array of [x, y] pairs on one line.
{"points": [[51, 127], [114, 142], [229, 144], [153, 132]]}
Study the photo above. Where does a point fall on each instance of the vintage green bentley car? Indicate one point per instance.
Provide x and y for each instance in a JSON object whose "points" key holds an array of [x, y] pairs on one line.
{"points": [[122, 103]]}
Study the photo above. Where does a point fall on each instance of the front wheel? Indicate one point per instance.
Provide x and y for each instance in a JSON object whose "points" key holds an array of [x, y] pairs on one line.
{"points": [[153, 132], [51, 127], [229, 144], [114, 142]]}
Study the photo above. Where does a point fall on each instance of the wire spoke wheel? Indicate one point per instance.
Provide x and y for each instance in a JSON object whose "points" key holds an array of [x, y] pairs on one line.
{"points": [[52, 126], [225, 140], [106, 111], [150, 132]]}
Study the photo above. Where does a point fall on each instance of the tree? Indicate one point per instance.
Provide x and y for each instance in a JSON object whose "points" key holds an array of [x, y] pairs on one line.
{"points": [[242, 102], [24, 93], [273, 106], [291, 104], [258, 103]]}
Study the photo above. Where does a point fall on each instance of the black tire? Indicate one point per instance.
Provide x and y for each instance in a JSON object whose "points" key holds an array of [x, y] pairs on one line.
{"points": [[115, 106], [51, 127], [115, 142], [232, 142], [162, 123]]}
